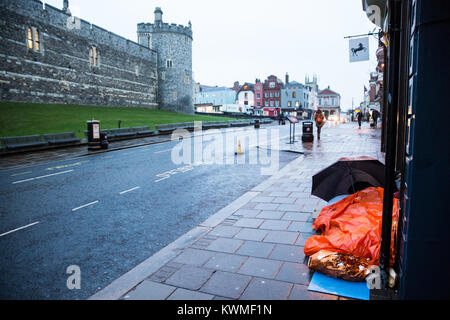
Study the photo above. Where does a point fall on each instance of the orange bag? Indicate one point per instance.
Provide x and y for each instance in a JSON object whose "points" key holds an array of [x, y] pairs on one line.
{"points": [[353, 226]]}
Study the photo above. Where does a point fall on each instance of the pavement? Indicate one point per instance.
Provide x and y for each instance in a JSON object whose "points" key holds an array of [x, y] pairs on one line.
{"points": [[253, 247]]}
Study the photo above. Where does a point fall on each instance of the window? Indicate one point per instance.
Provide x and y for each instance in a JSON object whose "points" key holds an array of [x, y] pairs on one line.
{"points": [[277, 103], [137, 70], [258, 95], [289, 104], [169, 63], [272, 85], [246, 95], [267, 103], [258, 104], [271, 94], [277, 94], [93, 55], [297, 104], [294, 94], [186, 79], [266, 94], [271, 103], [163, 76], [33, 40]]}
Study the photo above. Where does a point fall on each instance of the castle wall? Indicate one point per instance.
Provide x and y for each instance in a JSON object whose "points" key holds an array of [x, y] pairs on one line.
{"points": [[61, 71]]}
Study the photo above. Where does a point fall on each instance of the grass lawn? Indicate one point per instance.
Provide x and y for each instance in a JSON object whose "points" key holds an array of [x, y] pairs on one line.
{"points": [[21, 119]]}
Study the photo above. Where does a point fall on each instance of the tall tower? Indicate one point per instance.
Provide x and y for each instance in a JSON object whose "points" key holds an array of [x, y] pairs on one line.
{"points": [[173, 43]]}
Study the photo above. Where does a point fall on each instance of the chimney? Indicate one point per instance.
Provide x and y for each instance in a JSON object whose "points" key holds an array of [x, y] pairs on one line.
{"points": [[287, 78], [158, 14]]}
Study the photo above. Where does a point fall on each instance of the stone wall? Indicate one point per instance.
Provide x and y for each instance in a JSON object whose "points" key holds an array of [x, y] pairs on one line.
{"points": [[61, 71]]}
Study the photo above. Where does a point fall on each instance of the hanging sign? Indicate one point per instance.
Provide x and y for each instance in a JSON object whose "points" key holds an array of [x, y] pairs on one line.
{"points": [[359, 49]]}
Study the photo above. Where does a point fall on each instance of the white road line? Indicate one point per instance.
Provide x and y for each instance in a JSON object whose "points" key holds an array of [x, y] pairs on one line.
{"points": [[28, 225], [85, 205], [135, 188], [20, 173], [163, 151], [47, 175]]}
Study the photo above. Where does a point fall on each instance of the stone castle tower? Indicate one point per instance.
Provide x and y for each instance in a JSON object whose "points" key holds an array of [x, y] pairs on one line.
{"points": [[173, 44]]}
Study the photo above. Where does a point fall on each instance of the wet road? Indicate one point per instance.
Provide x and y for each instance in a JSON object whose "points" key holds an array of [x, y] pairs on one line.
{"points": [[109, 212]]}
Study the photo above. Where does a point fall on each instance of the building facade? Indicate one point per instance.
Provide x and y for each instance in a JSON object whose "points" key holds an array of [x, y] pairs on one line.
{"points": [[330, 103], [216, 96], [272, 92], [49, 56], [246, 95]]}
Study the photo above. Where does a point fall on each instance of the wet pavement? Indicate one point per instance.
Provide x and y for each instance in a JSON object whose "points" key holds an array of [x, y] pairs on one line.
{"points": [[253, 247], [106, 212]]}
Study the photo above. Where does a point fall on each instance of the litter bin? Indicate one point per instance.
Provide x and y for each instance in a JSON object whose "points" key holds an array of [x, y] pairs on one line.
{"points": [[257, 124], [93, 127], [103, 140], [307, 135]]}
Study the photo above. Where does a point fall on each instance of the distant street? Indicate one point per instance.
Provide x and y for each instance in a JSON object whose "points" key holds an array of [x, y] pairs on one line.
{"points": [[106, 213]]}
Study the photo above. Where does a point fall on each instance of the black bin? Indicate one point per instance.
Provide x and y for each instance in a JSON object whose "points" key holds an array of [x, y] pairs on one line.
{"points": [[257, 123], [103, 140], [307, 128]]}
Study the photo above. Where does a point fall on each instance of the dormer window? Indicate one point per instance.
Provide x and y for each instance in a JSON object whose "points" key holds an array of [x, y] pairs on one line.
{"points": [[33, 40]]}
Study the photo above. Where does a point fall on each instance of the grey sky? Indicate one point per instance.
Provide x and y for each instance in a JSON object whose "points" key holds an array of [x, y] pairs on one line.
{"points": [[243, 40]]}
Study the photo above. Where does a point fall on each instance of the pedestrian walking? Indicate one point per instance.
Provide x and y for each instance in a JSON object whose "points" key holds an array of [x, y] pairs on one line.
{"points": [[319, 118], [359, 118], [375, 116], [280, 118]]}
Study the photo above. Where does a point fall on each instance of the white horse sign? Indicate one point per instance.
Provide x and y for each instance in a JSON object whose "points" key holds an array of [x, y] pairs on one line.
{"points": [[359, 49]]}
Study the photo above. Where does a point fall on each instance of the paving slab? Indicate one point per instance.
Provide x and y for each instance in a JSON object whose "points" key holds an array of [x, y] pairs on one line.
{"points": [[275, 225], [289, 253], [269, 214], [194, 257], [190, 277], [264, 289], [251, 234], [226, 262], [224, 231], [249, 222], [226, 284], [294, 273], [286, 237], [149, 290], [183, 294], [259, 267], [225, 245], [256, 249]]}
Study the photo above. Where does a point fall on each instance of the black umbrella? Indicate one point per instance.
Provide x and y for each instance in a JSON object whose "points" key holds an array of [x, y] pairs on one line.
{"points": [[347, 176]]}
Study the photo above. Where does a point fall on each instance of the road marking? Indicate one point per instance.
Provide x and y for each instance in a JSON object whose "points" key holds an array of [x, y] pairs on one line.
{"points": [[85, 205], [40, 177], [28, 225], [66, 165], [167, 174], [135, 188], [20, 173], [163, 151]]}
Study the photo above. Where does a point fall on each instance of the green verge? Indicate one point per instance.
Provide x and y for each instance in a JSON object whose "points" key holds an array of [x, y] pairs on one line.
{"points": [[22, 119]]}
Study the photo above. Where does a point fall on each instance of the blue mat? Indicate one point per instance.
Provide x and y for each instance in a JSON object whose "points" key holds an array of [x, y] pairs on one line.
{"points": [[339, 287]]}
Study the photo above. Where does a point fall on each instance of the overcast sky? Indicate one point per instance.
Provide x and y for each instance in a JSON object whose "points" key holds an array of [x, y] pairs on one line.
{"points": [[236, 40]]}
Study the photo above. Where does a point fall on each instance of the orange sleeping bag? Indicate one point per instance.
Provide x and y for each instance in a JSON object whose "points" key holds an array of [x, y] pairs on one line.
{"points": [[353, 226]]}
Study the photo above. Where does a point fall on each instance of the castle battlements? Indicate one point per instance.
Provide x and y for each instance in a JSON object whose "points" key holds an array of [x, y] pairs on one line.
{"points": [[164, 27]]}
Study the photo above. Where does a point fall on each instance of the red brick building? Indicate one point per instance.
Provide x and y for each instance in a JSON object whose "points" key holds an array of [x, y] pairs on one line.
{"points": [[272, 96]]}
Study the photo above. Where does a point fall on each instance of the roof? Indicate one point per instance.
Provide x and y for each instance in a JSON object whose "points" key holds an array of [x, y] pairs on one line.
{"points": [[328, 92], [246, 87], [209, 89], [293, 84]]}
